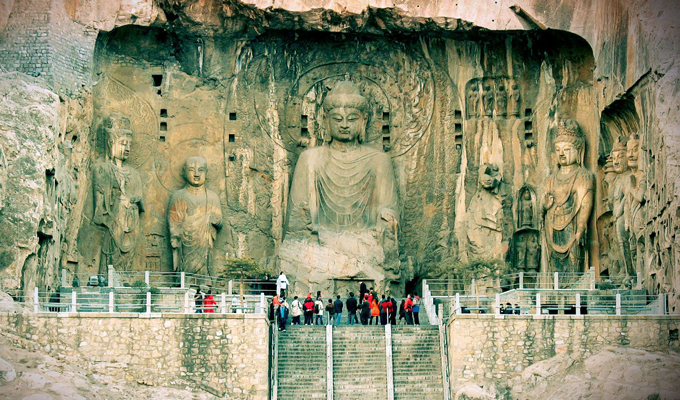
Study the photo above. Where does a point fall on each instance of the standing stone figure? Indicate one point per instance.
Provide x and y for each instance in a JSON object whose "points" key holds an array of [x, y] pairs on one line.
{"points": [[488, 97], [194, 216], [568, 202], [526, 210], [485, 215], [620, 259], [117, 197], [514, 98], [501, 95], [343, 211], [473, 100], [635, 200]]}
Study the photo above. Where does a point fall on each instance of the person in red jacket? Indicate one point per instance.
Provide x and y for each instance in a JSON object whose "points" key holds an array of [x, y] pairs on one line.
{"points": [[408, 307], [209, 303], [308, 306]]}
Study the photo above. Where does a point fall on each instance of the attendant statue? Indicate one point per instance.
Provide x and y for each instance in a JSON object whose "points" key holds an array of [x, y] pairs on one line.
{"points": [[488, 97], [117, 196], [194, 216], [568, 202], [620, 259], [501, 96], [526, 210], [635, 200], [473, 100], [343, 211], [485, 216], [514, 98]]}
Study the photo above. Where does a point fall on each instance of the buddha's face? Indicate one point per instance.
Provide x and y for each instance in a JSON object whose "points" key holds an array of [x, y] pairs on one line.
{"points": [[567, 153], [633, 152], [619, 161], [195, 171], [346, 124], [120, 147]]}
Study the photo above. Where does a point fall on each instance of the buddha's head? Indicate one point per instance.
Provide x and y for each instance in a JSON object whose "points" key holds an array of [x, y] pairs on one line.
{"points": [[489, 177], [195, 169], [346, 113], [619, 159], [116, 128], [633, 151], [569, 143]]}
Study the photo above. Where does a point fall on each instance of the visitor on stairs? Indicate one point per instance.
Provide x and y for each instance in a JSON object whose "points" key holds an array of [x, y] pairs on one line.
{"points": [[282, 314], [416, 309], [352, 309], [308, 306], [365, 310], [330, 309], [362, 291], [318, 310], [392, 311], [375, 312], [402, 310], [282, 284], [384, 309], [295, 311], [408, 308], [337, 309]]}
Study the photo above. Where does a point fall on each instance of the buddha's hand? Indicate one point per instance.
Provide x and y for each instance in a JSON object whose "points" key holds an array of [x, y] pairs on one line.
{"points": [[389, 219]]}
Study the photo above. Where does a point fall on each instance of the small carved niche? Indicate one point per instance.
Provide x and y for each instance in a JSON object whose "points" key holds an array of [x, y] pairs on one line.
{"points": [[232, 138], [157, 80], [386, 116], [304, 132], [457, 114], [528, 112], [232, 116], [528, 125], [164, 126], [528, 136], [164, 113], [458, 129], [161, 138], [385, 129], [459, 141], [304, 120]]}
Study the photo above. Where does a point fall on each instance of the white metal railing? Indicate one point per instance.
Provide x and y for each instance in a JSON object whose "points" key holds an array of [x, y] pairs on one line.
{"points": [[561, 302], [131, 300]]}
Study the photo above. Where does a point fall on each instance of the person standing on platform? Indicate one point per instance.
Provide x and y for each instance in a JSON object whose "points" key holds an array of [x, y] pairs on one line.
{"points": [[365, 310], [282, 284], [352, 305], [337, 309], [362, 291], [416, 309], [295, 311], [402, 310], [384, 307], [308, 307], [318, 310], [392, 311], [330, 310], [408, 308], [375, 312], [209, 303]]}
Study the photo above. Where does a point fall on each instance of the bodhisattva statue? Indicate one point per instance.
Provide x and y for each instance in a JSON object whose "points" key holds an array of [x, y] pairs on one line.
{"points": [[117, 197], [568, 202], [343, 210], [501, 99], [194, 216], [620, 258], [485, 216], [635, 200], [473, 100], [488, 97], [514, 98]]}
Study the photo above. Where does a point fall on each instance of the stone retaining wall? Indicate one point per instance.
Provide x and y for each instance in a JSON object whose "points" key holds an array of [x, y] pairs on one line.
{"points": [[226, 355], [488, 348]]}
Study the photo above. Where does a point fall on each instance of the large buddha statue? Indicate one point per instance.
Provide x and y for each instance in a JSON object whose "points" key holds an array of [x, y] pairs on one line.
{"points": [[117, 191], [343, 210], [568, 202]]}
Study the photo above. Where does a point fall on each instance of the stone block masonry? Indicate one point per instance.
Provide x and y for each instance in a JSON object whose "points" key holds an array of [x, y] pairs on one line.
{"points": [[41, 40], [488, 348], [226, 355]]}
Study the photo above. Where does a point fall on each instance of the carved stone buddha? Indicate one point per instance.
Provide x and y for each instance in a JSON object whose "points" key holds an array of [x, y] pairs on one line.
{"points": [[343, 211]]}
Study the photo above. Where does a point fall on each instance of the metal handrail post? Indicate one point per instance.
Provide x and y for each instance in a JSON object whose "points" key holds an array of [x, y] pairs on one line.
{"points": [[557, 281], [74, 304], [578, 303], [538, 304], [182, 279], [148, 302], [618, 304], [223, 303], [329, 362], [389, 362], [458, 308], [521, 280], [109, 275], [36, 300], [111, 301]]}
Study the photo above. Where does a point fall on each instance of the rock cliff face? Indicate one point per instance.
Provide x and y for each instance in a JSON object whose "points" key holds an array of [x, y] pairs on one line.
{"points": [[457, 89]]}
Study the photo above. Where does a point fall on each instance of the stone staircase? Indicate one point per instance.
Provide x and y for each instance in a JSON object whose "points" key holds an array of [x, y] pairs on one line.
{"points": [[302, 363], [359, 363], [417, 363]]}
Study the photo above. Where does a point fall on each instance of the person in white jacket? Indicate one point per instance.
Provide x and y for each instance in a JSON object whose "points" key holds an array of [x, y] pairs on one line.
{"points": [[282, 284], [296, 311]]}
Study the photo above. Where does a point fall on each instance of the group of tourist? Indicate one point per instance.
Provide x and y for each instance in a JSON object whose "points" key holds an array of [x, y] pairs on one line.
{"points": [[369, 308]]}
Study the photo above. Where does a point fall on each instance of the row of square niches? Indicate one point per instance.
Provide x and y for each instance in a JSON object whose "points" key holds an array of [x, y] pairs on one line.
{"points": [[528, 128]]}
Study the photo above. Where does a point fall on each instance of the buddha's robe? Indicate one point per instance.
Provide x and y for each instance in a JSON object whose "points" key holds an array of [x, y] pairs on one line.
{"points": [[342, 190]]}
